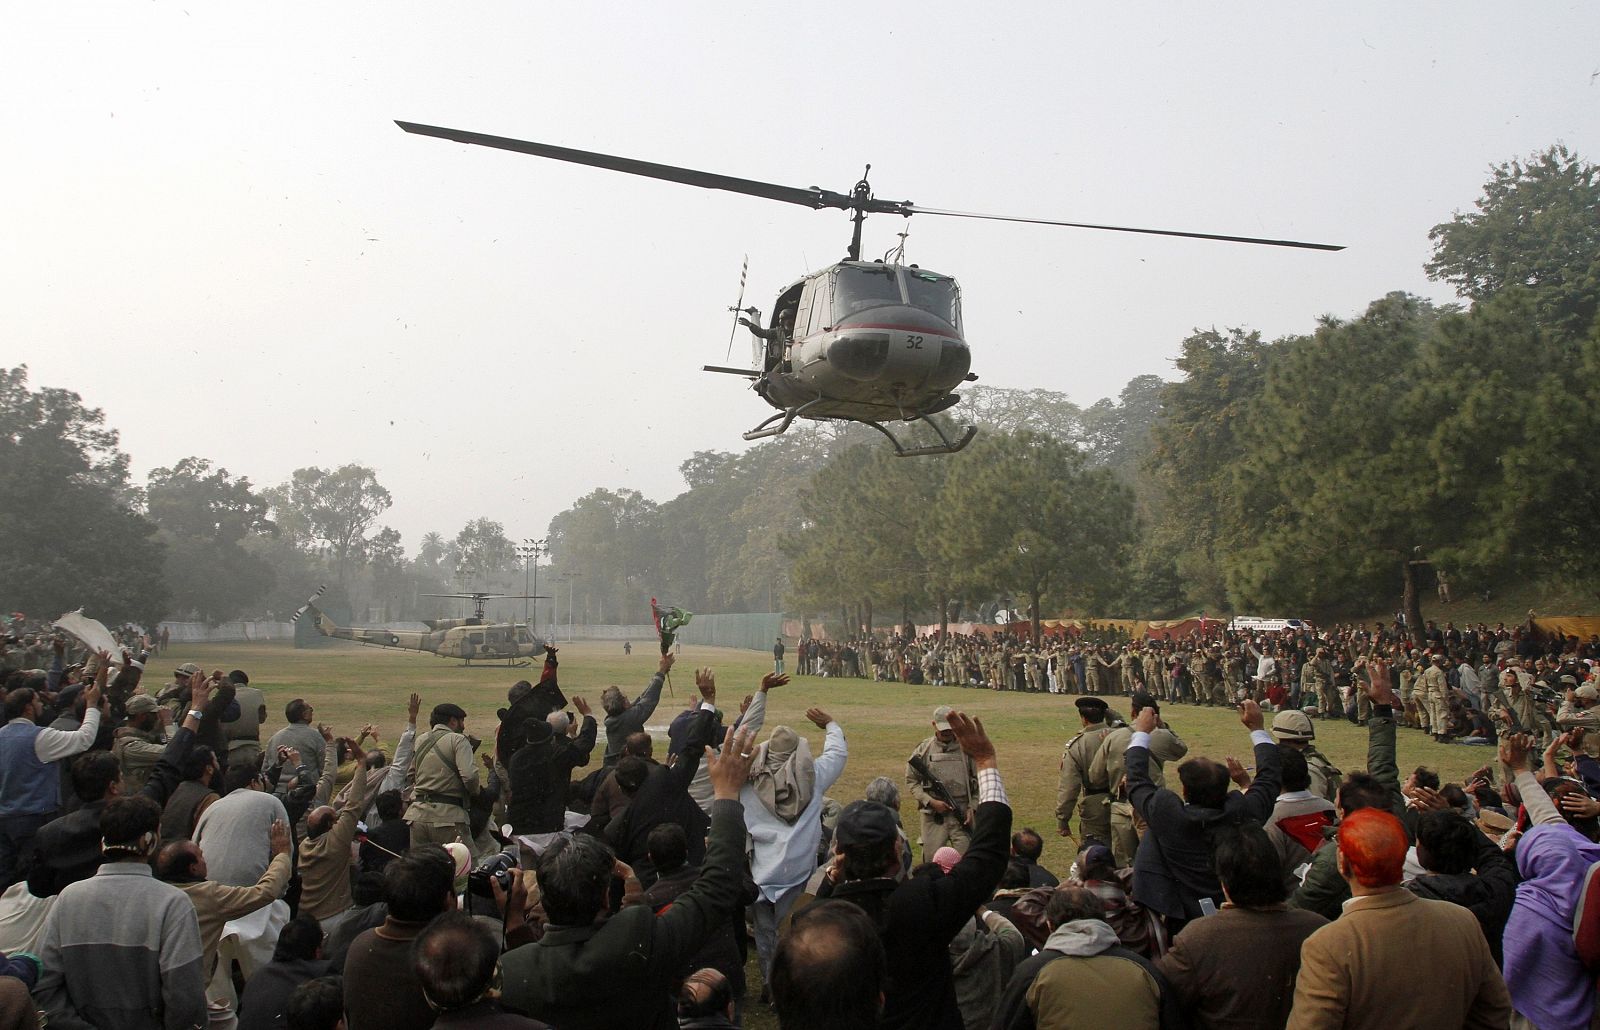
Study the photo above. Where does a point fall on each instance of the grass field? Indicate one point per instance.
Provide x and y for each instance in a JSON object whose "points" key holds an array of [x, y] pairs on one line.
{"points": [[350, 684]]}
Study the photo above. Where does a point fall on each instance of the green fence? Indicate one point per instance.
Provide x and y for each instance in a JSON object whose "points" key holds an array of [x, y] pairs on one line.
{"points": [[755, 632]]}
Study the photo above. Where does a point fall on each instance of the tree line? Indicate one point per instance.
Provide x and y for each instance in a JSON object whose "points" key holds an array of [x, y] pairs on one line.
{"points": [[1305, 475]]}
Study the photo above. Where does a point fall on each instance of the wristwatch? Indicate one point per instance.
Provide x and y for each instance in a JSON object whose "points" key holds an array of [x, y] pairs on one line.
{"points": [[195, 713]]}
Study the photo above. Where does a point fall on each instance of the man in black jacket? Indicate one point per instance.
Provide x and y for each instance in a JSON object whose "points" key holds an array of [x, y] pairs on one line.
{"points": [[917, 919], [620, 973], [1172, 870], [725, 951], [529, 704], [1465, 868], [660, 794], [542, 769]]}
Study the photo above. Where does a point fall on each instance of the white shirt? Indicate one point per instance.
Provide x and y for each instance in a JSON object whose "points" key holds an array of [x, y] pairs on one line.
{"points": [[51, 745], [784, 856]]}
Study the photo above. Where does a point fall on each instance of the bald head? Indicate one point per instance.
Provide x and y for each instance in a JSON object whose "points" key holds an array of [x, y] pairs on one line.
{"points": [[181, 862], [320, 821], [829, 969]]}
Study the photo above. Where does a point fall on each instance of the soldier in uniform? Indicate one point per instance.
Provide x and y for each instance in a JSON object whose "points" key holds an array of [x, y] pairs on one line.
{"points": [[244, 733], [1150, 666], [1310, 690], [1131, 671], [1165, 746], [1332, 705], [1211, 669], [1416, 717], [444, 778], [139, 743], [954, 769], [1580, 710], [1292, 728], [1078, 782], [1197, 674], [1431, 689], [1233, 673], [174, 696]]}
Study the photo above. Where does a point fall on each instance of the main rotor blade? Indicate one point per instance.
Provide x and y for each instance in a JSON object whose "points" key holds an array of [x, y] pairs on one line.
{"points": [[812, 198], [913, 210]]}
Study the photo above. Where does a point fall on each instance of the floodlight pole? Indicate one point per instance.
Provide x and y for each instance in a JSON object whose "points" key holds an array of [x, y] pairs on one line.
{"points": [[530, 549]]}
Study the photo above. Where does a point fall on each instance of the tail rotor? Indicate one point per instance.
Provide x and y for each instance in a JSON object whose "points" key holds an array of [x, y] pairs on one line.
{"points": [[321, 589]]}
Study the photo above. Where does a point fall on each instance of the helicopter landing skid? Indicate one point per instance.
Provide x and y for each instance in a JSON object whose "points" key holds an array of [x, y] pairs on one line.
{"points": [[784, 418], [945, 446]]}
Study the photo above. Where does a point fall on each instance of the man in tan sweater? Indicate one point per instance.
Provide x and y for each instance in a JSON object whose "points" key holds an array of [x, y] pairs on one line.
{"points": [[325, 852], [183, 865]]}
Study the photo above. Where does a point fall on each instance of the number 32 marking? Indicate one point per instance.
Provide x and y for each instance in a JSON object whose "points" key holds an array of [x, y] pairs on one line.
{"points": [[913, 343]]}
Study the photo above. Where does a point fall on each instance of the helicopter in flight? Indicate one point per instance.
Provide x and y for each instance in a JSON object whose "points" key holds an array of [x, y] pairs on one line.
{"points": [[859, 341], [473, 639]]}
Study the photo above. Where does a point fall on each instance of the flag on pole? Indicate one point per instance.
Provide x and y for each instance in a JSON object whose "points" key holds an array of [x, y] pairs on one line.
{"points": [[668, 621]]}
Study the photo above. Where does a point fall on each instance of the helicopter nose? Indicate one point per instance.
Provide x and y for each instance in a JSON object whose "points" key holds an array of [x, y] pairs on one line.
{"points": [[859, 354], [955, 360]]}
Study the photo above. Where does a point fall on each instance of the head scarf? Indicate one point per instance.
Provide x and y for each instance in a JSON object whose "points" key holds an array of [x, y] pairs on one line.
{"points": [[1547, 981], [783, 774]]}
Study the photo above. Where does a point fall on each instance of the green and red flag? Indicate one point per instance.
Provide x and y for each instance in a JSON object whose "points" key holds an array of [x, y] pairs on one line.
{"points": [[668, 619]]}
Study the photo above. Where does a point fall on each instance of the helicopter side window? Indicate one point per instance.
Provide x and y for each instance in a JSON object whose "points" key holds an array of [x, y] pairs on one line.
{"points": [[524, 637], [858, 289], [936, 294], [475, 638]]}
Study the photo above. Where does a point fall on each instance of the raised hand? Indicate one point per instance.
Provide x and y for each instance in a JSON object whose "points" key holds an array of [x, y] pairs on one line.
{"points": [[326, 731], [199, 690], [1250, 715], [413, 707], [972, 738], [1238, 773], [1514, 748], [1578, 806], [278, 838], [744, 706], [819, 717], [1146, 721], [706, 680], [1427, 799], [730, 770], [665, 665], [582, 706], [1377, 685], [774, 679]]}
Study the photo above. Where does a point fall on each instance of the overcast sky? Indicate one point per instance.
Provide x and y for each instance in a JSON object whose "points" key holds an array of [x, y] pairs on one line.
{"points": [[214, 231]]}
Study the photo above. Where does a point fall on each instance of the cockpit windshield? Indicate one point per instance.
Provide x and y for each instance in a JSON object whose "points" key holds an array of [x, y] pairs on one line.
{"points": [[857, 288], [935, 294]]}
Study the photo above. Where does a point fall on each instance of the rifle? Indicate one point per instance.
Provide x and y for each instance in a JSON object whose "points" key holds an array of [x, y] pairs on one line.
{"points": [[936, 787]]}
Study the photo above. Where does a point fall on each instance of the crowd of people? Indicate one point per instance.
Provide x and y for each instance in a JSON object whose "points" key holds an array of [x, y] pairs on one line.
{"points": [[171, 860], [1461, 685]]}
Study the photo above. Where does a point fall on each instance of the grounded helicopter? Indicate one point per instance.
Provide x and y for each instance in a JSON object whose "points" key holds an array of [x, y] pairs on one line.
{"points": [[861, 341], [471, 639]]}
